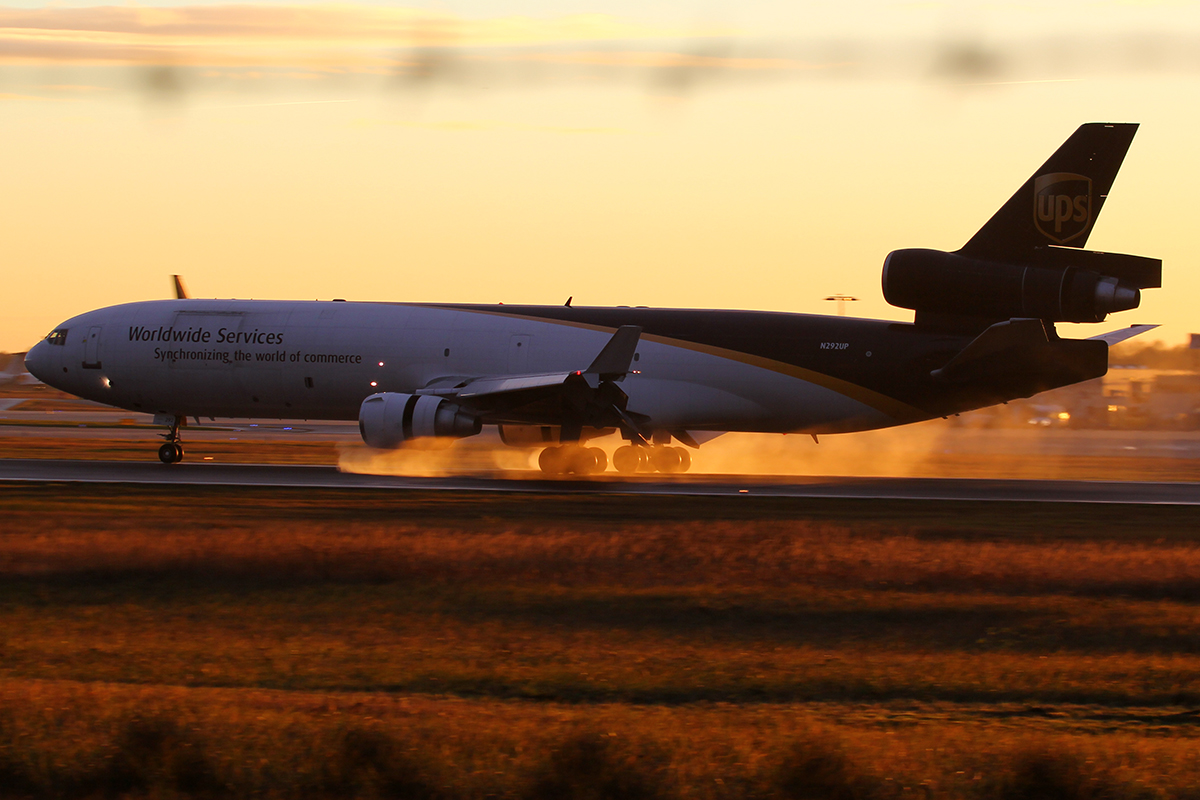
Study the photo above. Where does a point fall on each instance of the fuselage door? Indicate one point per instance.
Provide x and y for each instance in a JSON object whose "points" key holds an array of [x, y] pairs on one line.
{"points": [[91, 350], [518, 354]]}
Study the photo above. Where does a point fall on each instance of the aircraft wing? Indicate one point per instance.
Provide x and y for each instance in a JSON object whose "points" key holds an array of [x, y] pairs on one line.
{"points": [[589, 393], [612, 364], [483, 387], [1120, 335], [492, 386]]}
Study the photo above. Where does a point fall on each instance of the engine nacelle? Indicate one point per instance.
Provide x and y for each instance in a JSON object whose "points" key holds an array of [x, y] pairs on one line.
{"points": [[388, 419], [935, 282]]}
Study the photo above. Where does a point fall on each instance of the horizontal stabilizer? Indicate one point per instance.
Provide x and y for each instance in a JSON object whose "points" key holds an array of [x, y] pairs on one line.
{"points": [[1139, 271], [1118, 336], [614, 360], [1013, 334]]}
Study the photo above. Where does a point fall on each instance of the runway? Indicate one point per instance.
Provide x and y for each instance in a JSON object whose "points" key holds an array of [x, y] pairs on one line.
{"points": [[928, 489]]}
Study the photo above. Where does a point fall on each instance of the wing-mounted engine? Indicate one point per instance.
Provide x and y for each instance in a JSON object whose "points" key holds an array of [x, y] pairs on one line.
{"points": [[456, 408], [388, 419]]}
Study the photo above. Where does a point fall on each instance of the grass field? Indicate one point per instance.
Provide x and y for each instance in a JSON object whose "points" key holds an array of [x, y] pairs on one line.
{"points": [[243, 642]]}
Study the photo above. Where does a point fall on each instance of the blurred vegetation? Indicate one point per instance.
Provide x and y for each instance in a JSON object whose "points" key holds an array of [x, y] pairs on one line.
{"points": [[214, 642], [1154, 355]]}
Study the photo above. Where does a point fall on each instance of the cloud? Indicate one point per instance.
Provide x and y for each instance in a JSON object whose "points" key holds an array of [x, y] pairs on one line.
{"points": [[173, 49], [476, 126], [14, 96], [662, 59], [288, 35]]}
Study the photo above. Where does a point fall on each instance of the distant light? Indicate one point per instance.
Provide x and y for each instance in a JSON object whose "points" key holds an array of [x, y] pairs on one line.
{"points": [[1064, 415], [381, 363], [842, 299], [374, 383], [107, 383]]}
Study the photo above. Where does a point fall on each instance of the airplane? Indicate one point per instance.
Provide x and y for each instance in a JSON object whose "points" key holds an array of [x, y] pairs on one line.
{"points": [[556, 377]]}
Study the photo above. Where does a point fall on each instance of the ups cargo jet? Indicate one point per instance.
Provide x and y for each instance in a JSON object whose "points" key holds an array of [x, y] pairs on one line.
{"points": [[557, 376]]}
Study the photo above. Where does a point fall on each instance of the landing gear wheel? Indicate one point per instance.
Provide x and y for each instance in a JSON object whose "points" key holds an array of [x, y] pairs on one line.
{"points": [[550, 461], [685, 459], [170, 453], [579, 460], [666, 459], [628, 459], [599, 459], [572, 460]]}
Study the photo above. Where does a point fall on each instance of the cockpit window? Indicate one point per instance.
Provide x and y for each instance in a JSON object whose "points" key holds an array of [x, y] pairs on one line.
{"points": [[58, 337]]}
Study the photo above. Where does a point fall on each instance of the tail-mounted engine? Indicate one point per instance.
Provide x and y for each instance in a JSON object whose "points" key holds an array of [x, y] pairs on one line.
{"points": [[389, 419], [1058, 285]]}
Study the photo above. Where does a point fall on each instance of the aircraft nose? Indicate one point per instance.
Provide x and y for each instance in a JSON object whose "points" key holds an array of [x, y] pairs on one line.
{"points": [[37, 361]]}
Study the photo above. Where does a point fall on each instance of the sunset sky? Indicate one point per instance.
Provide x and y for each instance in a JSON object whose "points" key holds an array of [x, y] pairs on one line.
{"points": [[714, 154]]}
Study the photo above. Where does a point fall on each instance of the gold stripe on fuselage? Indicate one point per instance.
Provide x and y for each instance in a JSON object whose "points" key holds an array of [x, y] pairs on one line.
{"points": [[896, 409]]}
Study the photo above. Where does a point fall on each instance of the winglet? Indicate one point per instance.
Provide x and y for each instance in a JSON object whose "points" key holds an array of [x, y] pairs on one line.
{"points": [[614, 360], [1120, 335], [181, 292]]}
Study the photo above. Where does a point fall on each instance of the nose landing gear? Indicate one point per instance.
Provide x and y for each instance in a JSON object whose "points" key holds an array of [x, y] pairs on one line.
{"points": [[172, 451]]}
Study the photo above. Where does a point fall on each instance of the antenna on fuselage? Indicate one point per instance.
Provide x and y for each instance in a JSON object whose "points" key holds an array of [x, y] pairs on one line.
{"points": [[181, 292]]}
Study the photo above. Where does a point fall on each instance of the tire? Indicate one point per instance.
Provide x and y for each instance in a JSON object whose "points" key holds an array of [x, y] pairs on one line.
{"points": [[666, 459], [578, 460], [178, 452], [551, 461], [685, 459], [599, 460], [627, 459], [166, 453]]}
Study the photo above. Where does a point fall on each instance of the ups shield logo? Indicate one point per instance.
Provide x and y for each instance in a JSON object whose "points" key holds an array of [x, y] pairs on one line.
{"points": [[1062, 205]]}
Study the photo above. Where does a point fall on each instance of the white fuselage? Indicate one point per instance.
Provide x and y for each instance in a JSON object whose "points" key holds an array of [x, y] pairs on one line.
{"points": [[319, 360]]}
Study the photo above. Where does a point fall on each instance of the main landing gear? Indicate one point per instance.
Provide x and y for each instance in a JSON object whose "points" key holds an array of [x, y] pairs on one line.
{"points": [[574, 459], [656, 458], [171, 452]]}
